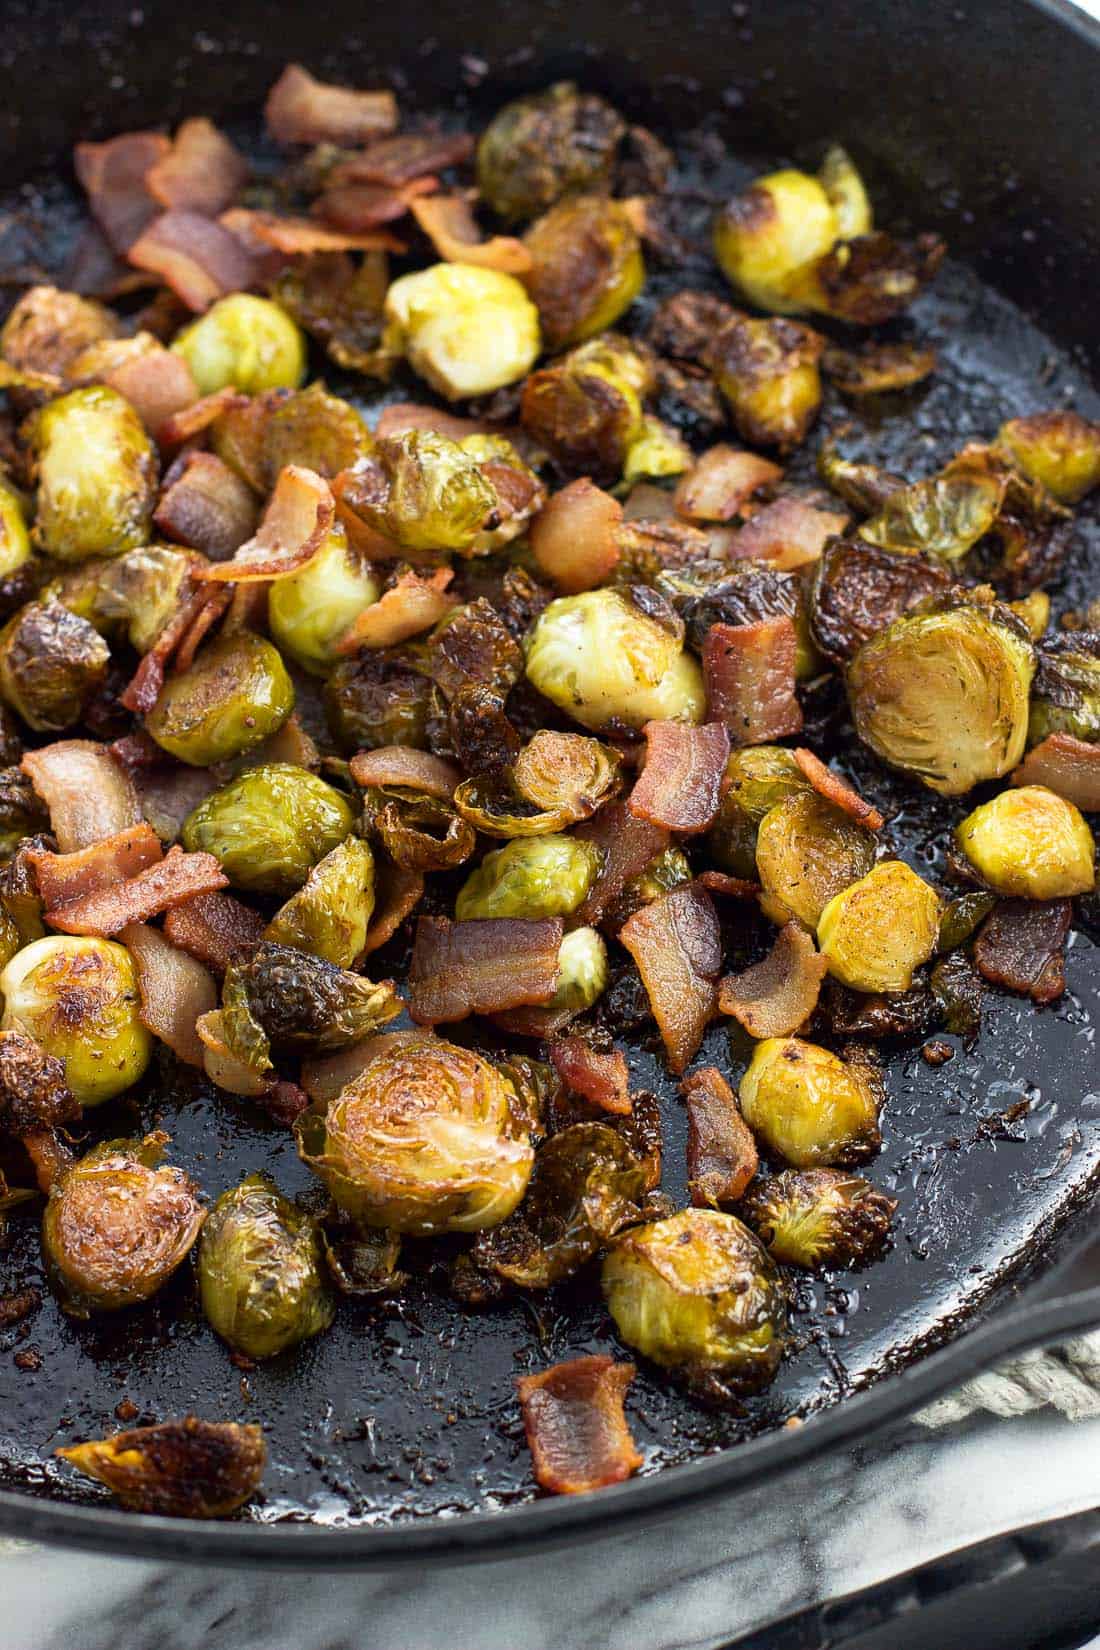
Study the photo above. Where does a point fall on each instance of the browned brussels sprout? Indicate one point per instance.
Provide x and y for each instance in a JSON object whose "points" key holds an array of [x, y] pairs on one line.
{"points": [[587, 268], [117, 1225], [316, 429], [48, 329], [1060, 449], [768, 372], [586, 409], [330, 914], [21, 811], [283, 1000], [339, 304], [1066, 692], [423, 491], [179, 1469], [235, 694], [372, 700], [268, 828], [134, 595], [262, 1275], [362, 1260], [549, 144], [807, 1105], [875, 932], [52, 665], [858, 590], [807, 851], [1029, 843], [819, 1217], [97, 475]]}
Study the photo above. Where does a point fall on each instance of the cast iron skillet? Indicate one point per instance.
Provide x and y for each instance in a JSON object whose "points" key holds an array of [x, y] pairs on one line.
{"points": [[978, 122]]}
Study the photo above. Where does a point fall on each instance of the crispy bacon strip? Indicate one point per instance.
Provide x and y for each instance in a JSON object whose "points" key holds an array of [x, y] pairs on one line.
{"points": [[174, 879], [1021, 945], [721, 481], [627, 844], [300, 109], [190, 422], [88, 793], [114, 176], [195, 256], [397, 160], [215, 929], [297, 521], [206, 505], [787, 534], [65, 877], [600, 1078], [143, 689], [481, 967], [357, 208], [414, 604], [1066, 765], [415, 770], [574, 538], [750, 680], [576, 1425], [399, 893], [680, 785], [677, 946], [834, 789], [202, 172], [157, 384], [294, 237], [450, 225], [219, 600], [721, 1151], [175, 990], [733, 887], [774, 997]]}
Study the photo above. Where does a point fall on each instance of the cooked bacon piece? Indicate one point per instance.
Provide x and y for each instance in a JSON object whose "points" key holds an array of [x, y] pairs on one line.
{"points": [[300, 109], [721, 1151], [94, 270], [215, 929], [173, 879], [193, 255], [157, 384], [415, 770], [1069, 766], [114, 175], [414, 604], [399, 893], [297, 521], [540, 1023], [787, 534], [774, 997], [169, 792], [296, 236], [34, 1095], [600, 1078], [450, 225], [202, 172], [175, 990], [88, 793], [627, 844], [206, 505], [400, 416], [64, 877], [750, 680], [733, 887], [397, 160], [680, 785], [576, 1426], [481, 967], [143, 689], [1022, 944], [290, 743], [721, 481], [191, 421], [834, 789], [677, 946], [357, 208], [574, 537]]}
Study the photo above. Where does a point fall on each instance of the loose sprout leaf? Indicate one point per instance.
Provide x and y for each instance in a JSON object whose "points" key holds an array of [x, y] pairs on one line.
{"points": [[858, 590]]}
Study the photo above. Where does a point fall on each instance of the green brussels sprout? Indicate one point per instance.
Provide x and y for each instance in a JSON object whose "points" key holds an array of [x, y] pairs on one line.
{"points": [[532, 877], [268, 828], [808, 850], [761, 776], [372, 700], [875, 932], [657, 451], [235, 694], [1059, 449], [284, 1000], [582, 970], [603, 661], [117, 1225], [943, 694], [1065, 696], [807, 1105], [698, 1293], [78, 998], [665, 871], [262, 1275], [765, 237], [467, 330], [52, 665], [586, 409], [97, 475], [546, 145], [429, 1138], [767, 370], [179, 1469], [587, 268], [315, 429], [15, 541], [21, 815], [243, 341], [819, 1217], [311, 609], [1029, 843], [422, 490], [134, 595], [330, 914]]}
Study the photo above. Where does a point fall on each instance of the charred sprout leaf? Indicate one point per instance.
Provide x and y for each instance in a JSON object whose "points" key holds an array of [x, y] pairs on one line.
{"points": [[268, 828], [493, 808], [807, 851], [182, 1469], [807, 1105], [232, 698], [587, 268], [745, 596], [303, 1004], [877, 368], [767, 370], [1029, 843], [373, 700], [961, 917], [864, 487], [33, 1091], [819, 1217], [957, 988], [471, 646], [96, 475], [340, 305], [1066, 692], [244, 341], [586, 408], [858, 590], [420, 833], [1059, 449], [943, 517], [330, 914], [532, 877], [566, 771], [310, 610], [362, 1260], [467, 330], [549, 144], [48, 329], [907, 1014], [483, 737], [875, 932], [261, 1269], [870, 278], [52, 665]]}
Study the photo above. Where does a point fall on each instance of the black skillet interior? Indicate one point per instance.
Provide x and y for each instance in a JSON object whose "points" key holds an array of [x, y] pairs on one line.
{"points": [[977, 121]]}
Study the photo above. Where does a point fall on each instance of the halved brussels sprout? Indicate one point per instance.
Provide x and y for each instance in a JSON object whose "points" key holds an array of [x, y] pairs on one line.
{"points": [[244, 341], [423, 491], [467, 330], [373, 700], [1061, 449], [316, 429], [262, 1274], [1065, 696], [877, 931], [15, 540], [807, 1105], [330, 914], [943, 694], [311, 609], [587, 268], [808, 850], [133, 595], [765, 237], [117, 1225], [429, 1138], [546, 145], [532, 877], [78, 998], [768, 372], [699, 1294], [819, 1217], [600, 659], [286, 1001], [235, 694], [269, 827], [97, 475], [52, 665], [1030, 844], [759, 777], [566, 772], [582, 970], [48, 329], [586, 409]]}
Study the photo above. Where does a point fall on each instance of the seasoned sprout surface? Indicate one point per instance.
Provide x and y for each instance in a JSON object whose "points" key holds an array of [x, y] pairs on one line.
{"points": [[468, 331], [423, 490], [15, 540], [588, 268], [235, 694], [1031, 844], [269, 828], [245, 341], [52, 665], [808, 850], [330, 914], [875, 932], [549, 144], [807, 1105], [311, 609], [97, 475], [532, 877]]}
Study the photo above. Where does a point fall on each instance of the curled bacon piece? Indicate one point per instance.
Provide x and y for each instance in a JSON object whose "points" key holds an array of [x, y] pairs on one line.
{"points": [[774, 997], [750, 680], [202, 172], [721, 1152], [157, 384], [295, 236], [718, 882], [398, 894], [680, 785], [627, 844], [206, 505], [414, 604], [576, 1426], [1069, 766], [298, 519], [415, 770], [88, 793], [300, 109], [323, 1078], [787, 534], [600, 1078], [193, 255], [450, 225], [481, 967], [1021, 945], [114, 175], [721, 481], [175, 990], [397, 160], [215, 929], [190, 422], [65, 877], [357, 208], [143, 689], [677, 946], [173, 879], [401, 416], [834, 789], [574, 537]]}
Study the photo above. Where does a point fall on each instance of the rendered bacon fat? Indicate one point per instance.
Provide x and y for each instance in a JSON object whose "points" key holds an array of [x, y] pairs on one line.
{"points": [[576, 1426], [88, 793]]}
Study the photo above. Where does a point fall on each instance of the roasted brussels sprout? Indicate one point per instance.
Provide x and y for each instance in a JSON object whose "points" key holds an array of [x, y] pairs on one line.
{"points": [[762, 776], [532, 877], [765, 238], [316, 429], [133, 595], [15, 541], [244, 341], [875, 932], [21, 815], [284, 1000], [602, 660], [78, 998], [262, 1274], [372, 700], [179, 1469], [468, 331], [807, 1105], [423, 491], [808, 850], [565, 773], [48, 329], [235, 694], [117, 1225], [768, 372], [943, 694], [699, 1294], [268, 828], [52, 665], [1060, 449], [657, 451], [549, 144], [1030, 844], [429, 1138], [582, 970], [97, 475], [1065, 695], [330, 914], [819, 1217], [311, 609], [943, 516], [587, 268], [586, 409]]}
